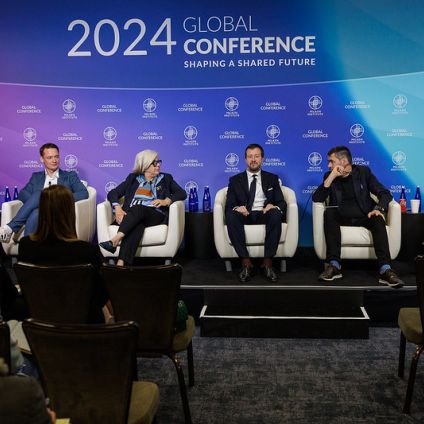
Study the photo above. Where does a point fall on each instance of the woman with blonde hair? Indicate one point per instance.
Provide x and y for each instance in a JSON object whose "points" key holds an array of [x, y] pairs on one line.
{"points": [[55, 241], [147, 195]]}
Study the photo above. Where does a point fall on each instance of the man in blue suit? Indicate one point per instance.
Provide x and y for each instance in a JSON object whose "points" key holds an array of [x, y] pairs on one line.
{"points": [[255, 197], [30, 194], [348, 189]]}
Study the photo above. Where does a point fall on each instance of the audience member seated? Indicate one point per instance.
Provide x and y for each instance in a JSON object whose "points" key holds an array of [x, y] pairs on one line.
{"points": [[22, 400], [55, 241], [148, 194]]}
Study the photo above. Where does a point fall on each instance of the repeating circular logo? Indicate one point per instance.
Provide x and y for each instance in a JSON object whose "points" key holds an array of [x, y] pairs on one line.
{"points": [[315, 102], [189, 185], [29, 134], [110, 185], [399, 157], [149, 105], [273, 131], [231, 104], [71, 161], [69, 106], [232, 159], [109, 133], [357, 130], [315, 159], [400, 101], [190, 132]]}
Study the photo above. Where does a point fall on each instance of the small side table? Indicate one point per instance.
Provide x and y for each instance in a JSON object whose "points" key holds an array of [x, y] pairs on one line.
{"points": [[199, 241], [412, 236]]}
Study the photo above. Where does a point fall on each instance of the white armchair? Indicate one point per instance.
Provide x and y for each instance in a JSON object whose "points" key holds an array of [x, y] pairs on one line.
{"points": [[255, 234], [85, 219], [159, 241], [357, 242]]}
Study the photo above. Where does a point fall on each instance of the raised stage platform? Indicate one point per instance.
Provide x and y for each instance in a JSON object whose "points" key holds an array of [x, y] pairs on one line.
{"points": [[298, 305]]}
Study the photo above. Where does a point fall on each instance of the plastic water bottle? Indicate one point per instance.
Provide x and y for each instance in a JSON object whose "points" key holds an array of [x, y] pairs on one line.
{"points": [[196, 200], [418, 197], [7, 197], [206, 200], [15, 193], [402, 200], [191, 201]]}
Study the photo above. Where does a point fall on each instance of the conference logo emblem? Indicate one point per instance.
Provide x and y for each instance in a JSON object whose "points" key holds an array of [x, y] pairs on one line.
{"points": [[71, 161], [189, 185], [315, 160], [399, 158], [190, 132], [399, 161], [149, 105], [400, 101], [110, 185], [232, 159], [30, 134], [109, 133], [69, 106], [273, 131], [357, 130], [315, 104], [231, 104]]}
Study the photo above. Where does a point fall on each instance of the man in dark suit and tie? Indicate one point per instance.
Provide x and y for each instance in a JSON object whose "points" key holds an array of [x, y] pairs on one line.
{"points": [[255, 197], [30, 194]]}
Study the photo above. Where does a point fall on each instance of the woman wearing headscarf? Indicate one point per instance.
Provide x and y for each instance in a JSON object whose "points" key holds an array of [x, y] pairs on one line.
{"points": [[147, 193]]}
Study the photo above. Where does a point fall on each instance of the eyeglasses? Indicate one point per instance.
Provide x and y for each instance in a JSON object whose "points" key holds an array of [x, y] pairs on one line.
{"points": [[157, 162]]}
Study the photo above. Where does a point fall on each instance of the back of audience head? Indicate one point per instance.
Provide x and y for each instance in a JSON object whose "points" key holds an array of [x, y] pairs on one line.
{"points": [[56, 215]]}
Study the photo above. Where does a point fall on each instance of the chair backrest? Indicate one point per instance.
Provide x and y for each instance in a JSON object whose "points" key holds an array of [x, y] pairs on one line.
{"points": [[86, 370], [61, 294], [149, 296], [5, 343], [419, 267]]}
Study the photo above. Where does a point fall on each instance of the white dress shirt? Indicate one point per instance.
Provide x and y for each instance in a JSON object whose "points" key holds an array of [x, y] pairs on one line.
{"points": [[51, 180], [259, 202]]}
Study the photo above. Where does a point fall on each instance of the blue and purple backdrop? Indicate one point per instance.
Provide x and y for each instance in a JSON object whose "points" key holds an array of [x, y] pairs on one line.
{"points": [[198, 81]]}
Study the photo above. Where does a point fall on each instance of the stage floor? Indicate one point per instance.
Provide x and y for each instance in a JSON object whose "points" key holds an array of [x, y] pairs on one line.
{"points": [[302, 272]]}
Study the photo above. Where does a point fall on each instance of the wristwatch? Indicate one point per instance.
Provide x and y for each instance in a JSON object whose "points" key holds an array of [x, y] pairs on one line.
{"points": [[379, 208]]}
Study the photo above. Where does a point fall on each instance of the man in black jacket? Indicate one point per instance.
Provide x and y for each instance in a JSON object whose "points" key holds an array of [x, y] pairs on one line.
{"points": [[348, 188], [255, 197]]}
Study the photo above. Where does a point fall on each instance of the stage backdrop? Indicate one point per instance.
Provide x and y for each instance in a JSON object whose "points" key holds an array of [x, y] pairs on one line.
{"points": [[198, 81]]}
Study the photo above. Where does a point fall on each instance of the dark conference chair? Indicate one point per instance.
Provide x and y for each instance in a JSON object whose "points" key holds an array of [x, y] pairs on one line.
{"points": [[5, 343], [149, 296], [411, 321], [89, 372], [61, 294]]}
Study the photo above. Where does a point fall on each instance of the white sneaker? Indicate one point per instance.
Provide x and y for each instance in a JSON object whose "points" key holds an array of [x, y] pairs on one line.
{"points": [[5, 235]]}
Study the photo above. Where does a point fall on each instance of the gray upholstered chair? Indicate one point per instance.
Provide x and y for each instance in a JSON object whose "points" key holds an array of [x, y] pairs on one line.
{"points": [[410, 322], [89, 372]]}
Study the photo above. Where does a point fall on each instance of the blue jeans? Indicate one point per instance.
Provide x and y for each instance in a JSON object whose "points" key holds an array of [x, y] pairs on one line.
{"points": [[27, 215]]}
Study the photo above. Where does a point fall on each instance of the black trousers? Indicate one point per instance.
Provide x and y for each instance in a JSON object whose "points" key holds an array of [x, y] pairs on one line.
{"points": [[135, 221], [376, 224], [235, 225]]}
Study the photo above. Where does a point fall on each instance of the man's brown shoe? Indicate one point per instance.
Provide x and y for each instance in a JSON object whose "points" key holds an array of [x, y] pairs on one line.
{"points": [[330, 273]]}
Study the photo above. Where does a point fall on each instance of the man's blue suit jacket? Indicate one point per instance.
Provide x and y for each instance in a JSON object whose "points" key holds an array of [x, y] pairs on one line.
{"points": [[68, 179]]}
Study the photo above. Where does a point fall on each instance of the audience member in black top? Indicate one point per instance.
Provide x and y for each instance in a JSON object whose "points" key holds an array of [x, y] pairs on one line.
{"points": [[55, 241]]}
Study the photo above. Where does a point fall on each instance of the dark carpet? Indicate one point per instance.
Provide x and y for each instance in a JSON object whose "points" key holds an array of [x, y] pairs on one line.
{"points": [[292, 381]]}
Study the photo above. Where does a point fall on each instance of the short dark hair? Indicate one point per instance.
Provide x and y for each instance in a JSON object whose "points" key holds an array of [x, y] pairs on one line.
{"points": [[254, 146], [341, 152], [48, 146]]}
